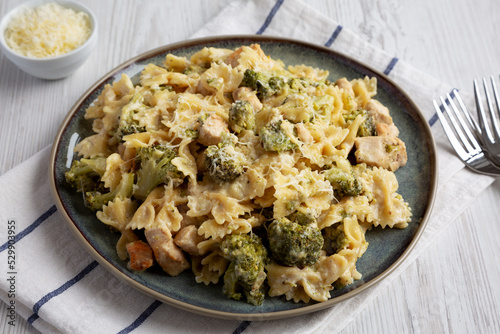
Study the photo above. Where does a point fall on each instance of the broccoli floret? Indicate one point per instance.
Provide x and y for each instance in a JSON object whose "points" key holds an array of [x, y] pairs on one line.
{"points": [[127, 124], [95, 200], [241, 116], [335, 239], [343, 183], [155, 168], [245, 273], [367, 127], [223, 162], [85, 174], [264, 83], [292, 244], [273, 138]]}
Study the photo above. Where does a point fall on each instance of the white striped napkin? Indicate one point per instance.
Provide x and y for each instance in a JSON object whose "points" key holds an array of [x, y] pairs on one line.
{"points": [[79, 296]]}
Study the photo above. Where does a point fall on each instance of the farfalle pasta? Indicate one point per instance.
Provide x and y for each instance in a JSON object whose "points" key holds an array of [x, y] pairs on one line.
{"points": [[236, 167]]}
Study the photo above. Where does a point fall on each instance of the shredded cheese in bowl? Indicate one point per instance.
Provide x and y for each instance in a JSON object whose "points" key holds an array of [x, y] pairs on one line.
{"points": [[48, 30]]}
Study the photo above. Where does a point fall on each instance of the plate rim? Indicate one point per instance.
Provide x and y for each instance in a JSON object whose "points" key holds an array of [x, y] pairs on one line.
{"points": [[218, 313]]}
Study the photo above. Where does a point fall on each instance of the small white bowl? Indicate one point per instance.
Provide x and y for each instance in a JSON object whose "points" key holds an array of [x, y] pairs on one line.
{"points": [[56, 67]]}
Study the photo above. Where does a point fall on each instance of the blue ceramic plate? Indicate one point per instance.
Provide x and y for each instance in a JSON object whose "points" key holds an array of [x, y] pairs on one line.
{"points": [[387, 249]]}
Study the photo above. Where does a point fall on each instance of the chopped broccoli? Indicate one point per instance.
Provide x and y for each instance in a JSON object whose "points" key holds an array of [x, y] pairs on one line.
{"points": [[301, 218], [127, 124], [343, 183], [85, 174], [292, 244], [164, 87], [299, 84], [273, 138], [130, 129], [335, 239], [391, 148], [194, 69], [241, 116], [245, 273], [95, 200], [155, 168], [264, 83], [367, 128], [223, 162], [323, 107]]}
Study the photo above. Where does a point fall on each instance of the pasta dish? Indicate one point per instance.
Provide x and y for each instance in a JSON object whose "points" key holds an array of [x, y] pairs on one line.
{"points": [[246, 171]]}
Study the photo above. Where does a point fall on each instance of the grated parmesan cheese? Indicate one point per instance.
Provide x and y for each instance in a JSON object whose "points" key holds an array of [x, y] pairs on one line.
{"points": [[48, 30]]}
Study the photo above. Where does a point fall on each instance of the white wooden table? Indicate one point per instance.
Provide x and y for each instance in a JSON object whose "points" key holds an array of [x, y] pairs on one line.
{"points": [[453, 286]]}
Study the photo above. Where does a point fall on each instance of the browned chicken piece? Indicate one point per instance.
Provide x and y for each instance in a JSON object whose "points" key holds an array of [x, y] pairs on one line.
{"points": [[188, 239], [248, 95], [382, 119], [141, 255], [233, 58], [381, 151], [170, 258], [211, 130]]}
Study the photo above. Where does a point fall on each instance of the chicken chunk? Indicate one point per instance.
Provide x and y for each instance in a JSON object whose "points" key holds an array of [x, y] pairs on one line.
{"points": [[381, 151], [382, 119], [188, 239], [234, 58], [211, 130], [170, 258], [141, 255]]}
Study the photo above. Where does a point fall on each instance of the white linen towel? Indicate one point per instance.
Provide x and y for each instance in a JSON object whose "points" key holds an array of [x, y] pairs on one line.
{"points": [[79, 296]]}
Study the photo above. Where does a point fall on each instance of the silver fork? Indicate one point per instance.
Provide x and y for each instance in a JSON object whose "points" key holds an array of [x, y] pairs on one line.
{"points": [[489, 134], [461, 137]]}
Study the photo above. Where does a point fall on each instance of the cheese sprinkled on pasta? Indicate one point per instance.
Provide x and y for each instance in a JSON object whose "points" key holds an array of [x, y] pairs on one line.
{"points": [[243, 170]]}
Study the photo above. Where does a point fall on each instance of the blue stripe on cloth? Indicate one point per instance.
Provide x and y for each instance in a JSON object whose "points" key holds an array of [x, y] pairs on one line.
{"points": [[60, 290], [142, 317], [391, 65], [270, 17], [433, 119], [30, 228], [334, 36], [241, 327]]}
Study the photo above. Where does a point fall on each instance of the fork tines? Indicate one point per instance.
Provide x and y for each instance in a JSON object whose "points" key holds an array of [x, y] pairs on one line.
{"points": [[485, 128], [461, 134]]}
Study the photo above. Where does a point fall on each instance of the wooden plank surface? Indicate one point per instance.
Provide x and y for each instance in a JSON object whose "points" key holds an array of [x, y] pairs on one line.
{"points": [[452, 287]]}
